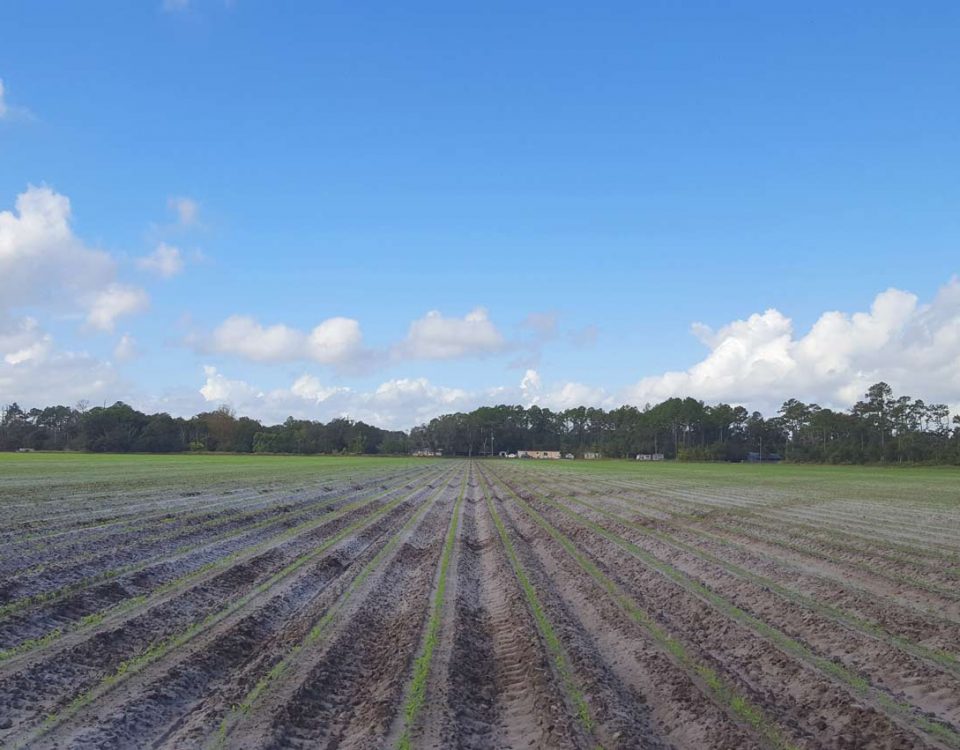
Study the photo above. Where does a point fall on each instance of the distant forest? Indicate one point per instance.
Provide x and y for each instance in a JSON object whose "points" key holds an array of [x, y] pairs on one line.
{"points": [[881, 428]]}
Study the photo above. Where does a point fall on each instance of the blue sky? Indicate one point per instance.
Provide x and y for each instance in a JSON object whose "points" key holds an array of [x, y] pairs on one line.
{"points": [[595, 181]]}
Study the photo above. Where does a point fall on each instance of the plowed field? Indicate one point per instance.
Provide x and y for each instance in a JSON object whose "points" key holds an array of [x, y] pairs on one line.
{"points": [[189, 602]]}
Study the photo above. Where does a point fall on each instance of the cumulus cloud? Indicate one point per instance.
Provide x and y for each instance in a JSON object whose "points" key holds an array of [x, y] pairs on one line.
{"points": [[309, 388], [23, 341], [221, 389], [399, 403], [761, 361], [410, 401], [43, 264], [571, 394], [34, 372], [436, 337], [335, 341], [166, 261], [530, 385], [114, 302]]}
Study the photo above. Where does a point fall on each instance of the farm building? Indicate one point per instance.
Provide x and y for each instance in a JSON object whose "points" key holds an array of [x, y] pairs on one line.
{"points": [[539, 454], [592, 456], [649, 457], [426, 453]]}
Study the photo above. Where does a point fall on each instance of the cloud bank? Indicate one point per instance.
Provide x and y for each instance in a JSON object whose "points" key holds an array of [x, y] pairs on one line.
{"points": [[335, 341], [762, 361], [435, 337]]}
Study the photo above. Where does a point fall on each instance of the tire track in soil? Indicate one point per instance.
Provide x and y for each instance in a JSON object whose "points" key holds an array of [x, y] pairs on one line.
{"points": [[49, 685], [170, 502], [928, 642], [734, 718], [424, 698], [67, 544], [621, 712], [131, 552], [191, 568], [272, 692], [921, 680], [879, 579], [129, 565], [161, 698], [898, 616], [528, 706], [826, 711], [152, 537], [350, 696]]}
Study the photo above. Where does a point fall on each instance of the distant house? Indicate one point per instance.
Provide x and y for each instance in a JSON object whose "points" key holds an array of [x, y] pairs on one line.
{"points": [[539, 454], [592, 456], [569, 456], [426, 453], [649, 457]]}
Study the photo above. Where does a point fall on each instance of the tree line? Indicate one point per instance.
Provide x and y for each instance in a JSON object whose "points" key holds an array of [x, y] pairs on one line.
{"points": [[879, 428], [122, 429]]}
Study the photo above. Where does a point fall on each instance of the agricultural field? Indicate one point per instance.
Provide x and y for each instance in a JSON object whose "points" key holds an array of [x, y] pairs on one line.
{"points": [[293, 602]]}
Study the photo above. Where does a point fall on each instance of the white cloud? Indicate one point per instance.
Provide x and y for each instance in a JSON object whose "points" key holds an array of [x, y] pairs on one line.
{"points": [[220, 389], [309, 388], [126, 349], [571, 394], [760, 361], [400, 403], [187, 209], [23, 341], [34, 373], [114, 302], [243, 336], [436, 337], [334, 341], [165, 261], [530, 385], [44, 265]]}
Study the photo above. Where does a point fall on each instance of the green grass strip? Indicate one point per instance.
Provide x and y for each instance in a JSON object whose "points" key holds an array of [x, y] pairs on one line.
{"points": [[417, 693], [558, 654], [263, 684], [715, 686], [941, 659], [165, 646], [856, 683]]}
